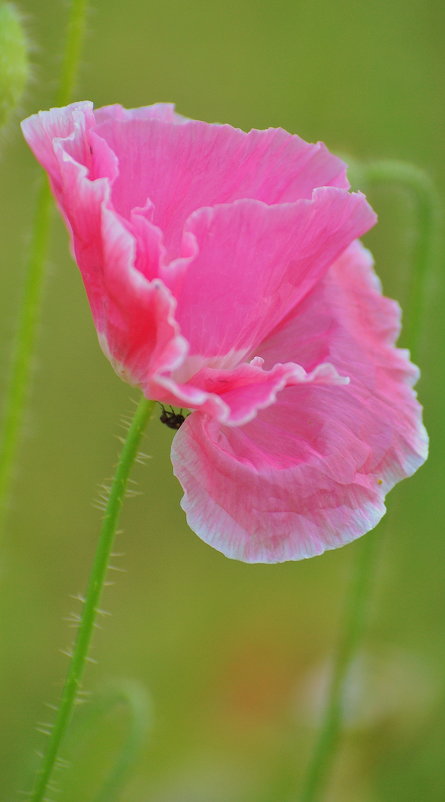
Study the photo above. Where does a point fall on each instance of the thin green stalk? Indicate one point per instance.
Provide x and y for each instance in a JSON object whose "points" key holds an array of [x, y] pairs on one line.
{"points": [[425, 259], [355, 613], [19, 381], [134, 697], [17, 390], [92, 600], [73, 51], [426, 246]]}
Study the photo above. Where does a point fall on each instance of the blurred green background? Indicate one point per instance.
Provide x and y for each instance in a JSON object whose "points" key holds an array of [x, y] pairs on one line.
{"points": [[232, 655]]}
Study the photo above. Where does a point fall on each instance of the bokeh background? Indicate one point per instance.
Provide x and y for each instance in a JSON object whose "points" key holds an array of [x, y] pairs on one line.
{"points": [[232, 656]]}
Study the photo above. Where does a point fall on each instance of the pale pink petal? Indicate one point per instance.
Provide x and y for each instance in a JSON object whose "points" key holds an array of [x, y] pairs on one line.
{"points": [[311, 472], [60, 139], [71, 123], [234, 396], [81, 202], [246, 311], [138, 332], [265, 258], [255, 262], [133, 316], [165, 112], [136, 320], [184, 167], [347, 321]]}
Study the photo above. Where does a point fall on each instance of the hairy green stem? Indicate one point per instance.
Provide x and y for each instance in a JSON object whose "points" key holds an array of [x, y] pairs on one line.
{"points": [[425, 258], [92, 599], [19, 381]]}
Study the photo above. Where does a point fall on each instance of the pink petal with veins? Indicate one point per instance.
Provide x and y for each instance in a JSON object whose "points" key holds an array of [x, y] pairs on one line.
{"points": [[311, 472]]}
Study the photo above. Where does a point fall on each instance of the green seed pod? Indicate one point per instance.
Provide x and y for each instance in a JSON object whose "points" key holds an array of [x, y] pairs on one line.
{"points": [[14, 64]]}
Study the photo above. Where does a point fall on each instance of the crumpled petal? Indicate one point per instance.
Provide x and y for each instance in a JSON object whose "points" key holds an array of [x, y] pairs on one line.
{"points": [[134, 317], [221, 277], [165, 326], [310, 473], [187, 166], [234, 396], [140, 334], [256, 262], [165, 112], [70, 123]]}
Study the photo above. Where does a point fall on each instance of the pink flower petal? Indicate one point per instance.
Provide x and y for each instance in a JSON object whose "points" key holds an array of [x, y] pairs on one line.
{"points": [[165, 112], [139, 334], [70, 123], [265, 257], [311, 472], [184, 167], [234, 396], [216, 270], [255, 262], [133, 316]]}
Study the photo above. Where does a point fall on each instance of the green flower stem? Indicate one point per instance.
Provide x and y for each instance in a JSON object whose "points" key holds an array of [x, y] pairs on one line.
{"points": [[353, 623], [133, 696], [428, 219], [73, 51], [425, 259], [17, 389], [14, 61], [92, 600]]}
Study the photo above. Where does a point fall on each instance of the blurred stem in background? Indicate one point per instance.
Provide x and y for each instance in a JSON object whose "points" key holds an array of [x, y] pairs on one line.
{"points": [[349, 639], [125, 693], [92, 599], [425, 258], [29, 314], [14, 61], [426, 249]]}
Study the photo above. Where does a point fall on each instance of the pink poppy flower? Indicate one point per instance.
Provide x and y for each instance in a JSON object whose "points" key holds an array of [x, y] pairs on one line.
{"points": [[224, 275]]}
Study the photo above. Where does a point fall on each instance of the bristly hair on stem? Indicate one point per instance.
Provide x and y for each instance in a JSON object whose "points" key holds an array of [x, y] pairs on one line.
{"points": [[91, 607]]}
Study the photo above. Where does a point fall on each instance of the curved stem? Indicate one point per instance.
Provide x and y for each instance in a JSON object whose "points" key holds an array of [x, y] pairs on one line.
{"points": [[135, 698], [16, 392], [92, 599], [427, 243], [425, 257]]}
